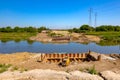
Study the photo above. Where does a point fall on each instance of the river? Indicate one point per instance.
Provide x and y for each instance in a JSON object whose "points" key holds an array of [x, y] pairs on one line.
{"points": [[38, 47]]}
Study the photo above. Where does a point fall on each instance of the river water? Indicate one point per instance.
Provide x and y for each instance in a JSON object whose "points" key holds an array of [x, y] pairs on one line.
{"points": [[38, 47]]}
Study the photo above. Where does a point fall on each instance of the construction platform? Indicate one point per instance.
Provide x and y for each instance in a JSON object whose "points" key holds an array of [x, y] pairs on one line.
{"points": [[58, 57]]}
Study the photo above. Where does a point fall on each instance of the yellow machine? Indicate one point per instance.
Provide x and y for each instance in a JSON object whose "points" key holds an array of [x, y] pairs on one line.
{"points": [[65, 61]]}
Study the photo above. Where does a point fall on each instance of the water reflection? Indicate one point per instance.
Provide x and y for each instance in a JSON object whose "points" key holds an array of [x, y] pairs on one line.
{"points": [[17, 40], [5, 40], [30, 42], [8, 46], [101, 43], [119, 47], [109, 43]]}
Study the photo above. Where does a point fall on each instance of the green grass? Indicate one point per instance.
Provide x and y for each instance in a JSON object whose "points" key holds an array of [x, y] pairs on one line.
{"points": [[92, 70], [109, 37], [4, 67], [16, 36], [3, 70], [104, 33]]}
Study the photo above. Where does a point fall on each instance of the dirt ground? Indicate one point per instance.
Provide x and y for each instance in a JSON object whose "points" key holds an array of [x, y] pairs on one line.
{"points": [[74, 37], [29, 61]]}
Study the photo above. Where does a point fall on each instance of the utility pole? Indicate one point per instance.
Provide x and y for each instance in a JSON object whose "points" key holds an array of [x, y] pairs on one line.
{"points": [[90, 18], [95, 25]]}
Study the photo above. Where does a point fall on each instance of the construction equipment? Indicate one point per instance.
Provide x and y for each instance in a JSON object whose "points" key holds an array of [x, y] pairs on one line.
{"points": [[65, 61]]}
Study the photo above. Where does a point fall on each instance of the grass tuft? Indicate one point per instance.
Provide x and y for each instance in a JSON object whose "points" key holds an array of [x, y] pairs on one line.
{"points": [[92, 70]]}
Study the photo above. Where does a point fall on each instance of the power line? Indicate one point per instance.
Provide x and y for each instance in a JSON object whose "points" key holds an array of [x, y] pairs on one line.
{"points": [[90, 18], [95, 24], [103, 11]]}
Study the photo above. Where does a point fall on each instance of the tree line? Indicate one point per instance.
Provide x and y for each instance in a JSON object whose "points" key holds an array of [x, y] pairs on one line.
{"points": [[9, 29], [82, 29], [85, 28]]}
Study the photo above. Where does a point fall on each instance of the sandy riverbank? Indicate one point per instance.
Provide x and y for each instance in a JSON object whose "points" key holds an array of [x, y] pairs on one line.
{"points": [[74, 37], [29, 61]]}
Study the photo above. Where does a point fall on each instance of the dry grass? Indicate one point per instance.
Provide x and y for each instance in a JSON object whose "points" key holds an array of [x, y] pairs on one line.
{"points": [[15, 58]]}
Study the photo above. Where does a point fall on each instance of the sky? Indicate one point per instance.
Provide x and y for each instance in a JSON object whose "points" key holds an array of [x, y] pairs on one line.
{"points": [[58, 14]]}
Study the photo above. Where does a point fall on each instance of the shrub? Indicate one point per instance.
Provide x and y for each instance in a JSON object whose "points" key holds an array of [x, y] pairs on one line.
{"points": [[1, 65], [92, 70], [3, 69]]}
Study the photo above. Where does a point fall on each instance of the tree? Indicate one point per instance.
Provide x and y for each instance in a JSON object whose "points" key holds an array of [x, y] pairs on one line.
{"points": [[2, 29], [117, 28], [107, 28], [76, 30], [8, 29], [70, 30], [110, 28], [41, 28], [31, 29], [86, 28], [101, 28], [16, 29]]}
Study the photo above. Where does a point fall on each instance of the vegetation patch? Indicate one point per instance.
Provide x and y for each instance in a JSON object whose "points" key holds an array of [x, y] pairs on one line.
{"points": [[108, 33], [92, 70], [108, 38], [18, 33], [4, 67], [15, 36]]}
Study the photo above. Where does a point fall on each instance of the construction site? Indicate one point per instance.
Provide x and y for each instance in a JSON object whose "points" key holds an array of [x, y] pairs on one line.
{"points": [[65, 59]]}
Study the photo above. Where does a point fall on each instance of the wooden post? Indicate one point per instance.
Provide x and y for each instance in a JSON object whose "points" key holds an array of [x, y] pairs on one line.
{"points": [[99, 58], [89, 51]]}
